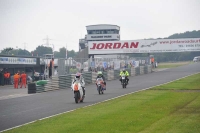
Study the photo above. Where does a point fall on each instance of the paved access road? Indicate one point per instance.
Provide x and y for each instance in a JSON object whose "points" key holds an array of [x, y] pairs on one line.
{"points": [[22, 109]]}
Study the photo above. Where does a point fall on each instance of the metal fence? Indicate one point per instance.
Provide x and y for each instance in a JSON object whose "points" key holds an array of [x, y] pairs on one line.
{"points": [[65, 81], [83, 65]]}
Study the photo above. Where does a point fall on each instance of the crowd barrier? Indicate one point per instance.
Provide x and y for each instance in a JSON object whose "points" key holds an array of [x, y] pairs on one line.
{"points": [[64, 81]]}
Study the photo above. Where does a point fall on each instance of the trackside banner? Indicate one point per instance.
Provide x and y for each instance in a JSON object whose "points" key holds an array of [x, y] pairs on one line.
{"points": [[144, 46], [17, 60]]}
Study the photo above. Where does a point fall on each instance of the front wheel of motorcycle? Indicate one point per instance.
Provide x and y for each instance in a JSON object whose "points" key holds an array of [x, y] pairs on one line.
{"points": [[123, 85], [99, 89], [76, 97]]}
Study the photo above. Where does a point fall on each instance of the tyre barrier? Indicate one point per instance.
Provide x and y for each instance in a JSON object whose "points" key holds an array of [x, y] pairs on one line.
{"points": [[141, 70], [110, 75], [132, 71]]}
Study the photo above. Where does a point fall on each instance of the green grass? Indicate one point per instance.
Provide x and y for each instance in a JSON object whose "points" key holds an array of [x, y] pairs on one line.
{"points": [[189, 83], [172, 64], [164, 109]]}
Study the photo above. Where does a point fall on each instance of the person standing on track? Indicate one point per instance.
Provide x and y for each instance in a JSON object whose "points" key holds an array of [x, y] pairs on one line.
{"points": [[8, 76], [23, 79], [16, 80], [19, 82]]}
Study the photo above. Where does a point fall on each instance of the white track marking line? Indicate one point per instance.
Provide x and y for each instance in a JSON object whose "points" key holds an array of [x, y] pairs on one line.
{"points": [[13, 96]]}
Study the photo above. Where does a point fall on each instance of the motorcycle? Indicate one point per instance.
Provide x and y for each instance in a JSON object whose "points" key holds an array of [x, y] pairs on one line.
{"points": [[78, 92], [124, 82], [100, 85]]}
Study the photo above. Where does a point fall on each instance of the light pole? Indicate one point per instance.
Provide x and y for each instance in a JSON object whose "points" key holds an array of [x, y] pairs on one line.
{"points": [[47, 44], [17, 50]]}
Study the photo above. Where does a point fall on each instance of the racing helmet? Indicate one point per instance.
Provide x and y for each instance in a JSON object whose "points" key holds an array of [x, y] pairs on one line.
{"points": [[78, 75], [99, 73], [123, 69]]}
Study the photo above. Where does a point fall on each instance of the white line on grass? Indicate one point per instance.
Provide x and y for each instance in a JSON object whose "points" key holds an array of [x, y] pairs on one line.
{"points": [[95, 103]]}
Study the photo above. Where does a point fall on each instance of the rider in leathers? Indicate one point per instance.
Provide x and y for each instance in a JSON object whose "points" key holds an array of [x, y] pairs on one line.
{"points": [[79, 78], [126, 74], [100, 75]]}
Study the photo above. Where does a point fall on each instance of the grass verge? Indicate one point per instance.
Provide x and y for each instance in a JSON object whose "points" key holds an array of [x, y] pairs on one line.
{"points": [[172, 64], [171, 108]]}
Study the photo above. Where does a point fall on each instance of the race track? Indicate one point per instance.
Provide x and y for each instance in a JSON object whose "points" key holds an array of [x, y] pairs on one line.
{"points": [[23, 109]]}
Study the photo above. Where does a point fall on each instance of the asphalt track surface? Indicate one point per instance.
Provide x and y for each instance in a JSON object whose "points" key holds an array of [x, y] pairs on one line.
{"points": [[20, 108]]}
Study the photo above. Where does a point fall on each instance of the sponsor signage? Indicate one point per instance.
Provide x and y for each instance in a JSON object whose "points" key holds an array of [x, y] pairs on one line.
{"points": [[17, 60], [103, 36], [144, 46]]}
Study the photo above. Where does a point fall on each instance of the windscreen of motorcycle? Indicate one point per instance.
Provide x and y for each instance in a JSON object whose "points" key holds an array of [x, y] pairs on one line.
{"points": [[123, 76]]}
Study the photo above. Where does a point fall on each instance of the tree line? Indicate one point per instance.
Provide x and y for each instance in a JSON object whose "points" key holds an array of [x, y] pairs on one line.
{"points": [[39, 51]]}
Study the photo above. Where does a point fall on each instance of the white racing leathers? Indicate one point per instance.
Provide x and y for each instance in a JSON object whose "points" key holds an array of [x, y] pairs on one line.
{"points": [[82, 82]]}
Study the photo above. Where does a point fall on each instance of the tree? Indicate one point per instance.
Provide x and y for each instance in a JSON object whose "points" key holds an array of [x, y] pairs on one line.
{"points": [[71, 53], [20, 52], [62, 53], [41, 50], [6, 50], [187, 34]]}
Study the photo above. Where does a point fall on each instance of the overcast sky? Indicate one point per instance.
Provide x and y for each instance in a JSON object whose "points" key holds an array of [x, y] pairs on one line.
{"points": [[65, 21]]}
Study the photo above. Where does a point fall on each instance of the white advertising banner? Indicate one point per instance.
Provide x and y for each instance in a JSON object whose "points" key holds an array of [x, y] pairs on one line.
{"points": [[17, 60], [85, 66], [144, 46], [116, 65]]}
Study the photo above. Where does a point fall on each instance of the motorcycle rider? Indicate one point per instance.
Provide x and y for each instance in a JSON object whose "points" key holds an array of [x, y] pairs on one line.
{"points": [[79, 77], [100, 75], [126, 74]]}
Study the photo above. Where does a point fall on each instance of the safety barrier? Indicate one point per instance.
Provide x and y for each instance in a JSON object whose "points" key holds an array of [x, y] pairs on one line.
{"points": [[64, 81], [94, 75], [133, 71], [87, 77], [52, 84], [110, 75], [141, 70]]}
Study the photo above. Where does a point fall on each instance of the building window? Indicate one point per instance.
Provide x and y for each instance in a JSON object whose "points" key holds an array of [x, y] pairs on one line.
{"points": [[93, 32], [89, 31], [110, 31]]}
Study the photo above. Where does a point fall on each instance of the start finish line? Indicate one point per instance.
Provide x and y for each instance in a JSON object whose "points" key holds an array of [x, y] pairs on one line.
{"points": [[144, 46]]}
